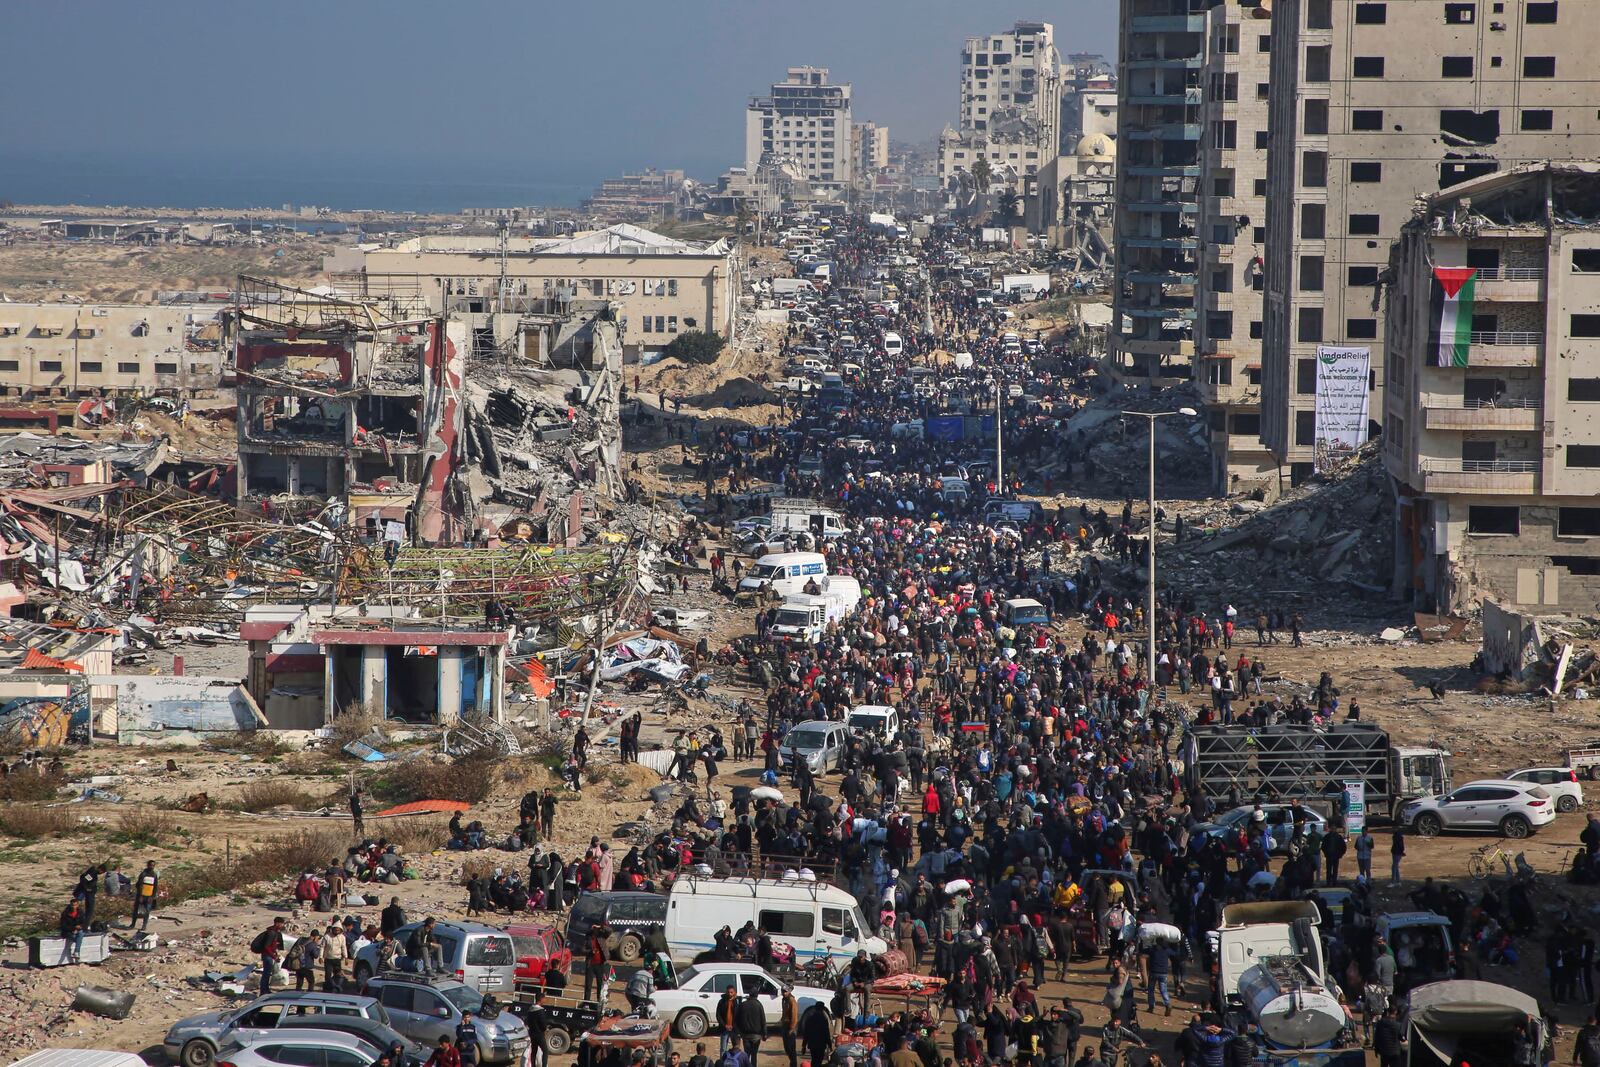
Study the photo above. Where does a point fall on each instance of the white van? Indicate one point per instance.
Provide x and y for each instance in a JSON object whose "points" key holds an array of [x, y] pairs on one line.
{"points": [[784, 573], [796, 515], [880, 720], [816, 918], [962, 360], [892, 345]]}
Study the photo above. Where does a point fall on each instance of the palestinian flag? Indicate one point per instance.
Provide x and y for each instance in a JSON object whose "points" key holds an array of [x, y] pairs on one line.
{"points": [[1451, 303]]}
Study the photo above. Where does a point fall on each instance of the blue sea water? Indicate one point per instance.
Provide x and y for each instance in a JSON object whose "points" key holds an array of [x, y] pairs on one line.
{"points": [[242, 185]]}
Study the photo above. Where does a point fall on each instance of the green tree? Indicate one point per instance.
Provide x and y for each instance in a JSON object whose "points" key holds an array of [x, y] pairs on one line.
{"points": [[981, 174], [695, 346], [1007, 203]]}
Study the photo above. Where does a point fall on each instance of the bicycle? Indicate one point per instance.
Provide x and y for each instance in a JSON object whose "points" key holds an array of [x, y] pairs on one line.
{"points": [[1482, 863]]}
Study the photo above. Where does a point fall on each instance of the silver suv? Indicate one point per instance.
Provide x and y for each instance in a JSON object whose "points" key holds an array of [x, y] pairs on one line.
{"points": [[425, 1009], [193, 1042]]}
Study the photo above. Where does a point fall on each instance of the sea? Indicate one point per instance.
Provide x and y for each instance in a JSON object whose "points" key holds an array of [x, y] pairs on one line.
{"points": [[232, 185]]}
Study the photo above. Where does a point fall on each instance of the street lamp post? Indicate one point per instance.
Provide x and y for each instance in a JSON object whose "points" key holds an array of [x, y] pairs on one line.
{"points": [[1150, 549]]}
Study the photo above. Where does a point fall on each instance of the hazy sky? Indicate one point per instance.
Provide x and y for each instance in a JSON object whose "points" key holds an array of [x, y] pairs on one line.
{"points": [[565, 91]]}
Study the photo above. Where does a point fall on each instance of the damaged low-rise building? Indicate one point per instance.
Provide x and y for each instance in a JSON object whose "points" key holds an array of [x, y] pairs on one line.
{"points": [[660, 286], [72, 350], [1492, 402], [309, 664]]}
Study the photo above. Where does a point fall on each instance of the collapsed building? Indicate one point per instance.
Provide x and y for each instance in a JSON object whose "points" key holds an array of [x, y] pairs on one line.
{"points": [[337, 394]]}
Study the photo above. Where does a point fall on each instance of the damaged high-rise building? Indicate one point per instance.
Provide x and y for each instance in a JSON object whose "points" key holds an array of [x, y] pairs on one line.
{"points": [[1492, 398], [1373, 104]]}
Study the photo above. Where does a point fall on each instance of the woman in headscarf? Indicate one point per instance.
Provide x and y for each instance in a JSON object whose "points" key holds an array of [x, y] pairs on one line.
{"points": [[555, 882]]}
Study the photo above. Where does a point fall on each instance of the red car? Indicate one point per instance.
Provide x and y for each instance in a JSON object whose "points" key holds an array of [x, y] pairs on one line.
{"points": [[540, 950]]}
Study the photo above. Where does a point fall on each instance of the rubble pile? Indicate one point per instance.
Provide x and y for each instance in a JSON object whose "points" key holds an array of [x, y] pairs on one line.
{"points": [[1337, 529]]}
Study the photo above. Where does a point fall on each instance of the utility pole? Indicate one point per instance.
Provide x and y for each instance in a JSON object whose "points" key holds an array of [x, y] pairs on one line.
{"points": [[1150, 418]]}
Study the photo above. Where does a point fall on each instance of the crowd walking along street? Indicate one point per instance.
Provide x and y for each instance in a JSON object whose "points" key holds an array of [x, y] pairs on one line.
{"points": [[1112, 583]]}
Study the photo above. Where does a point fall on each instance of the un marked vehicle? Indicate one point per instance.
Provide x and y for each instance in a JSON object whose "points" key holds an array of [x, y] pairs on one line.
{"points": [[1515, 809], [816, 919], [1282, 763], [691, 1008], [194, 1041], [425, 1009]]}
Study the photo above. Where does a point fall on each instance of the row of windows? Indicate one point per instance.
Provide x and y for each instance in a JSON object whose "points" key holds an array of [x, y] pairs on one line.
{"points": [[1319, 13], [1502, 519], [1452, 67], [47, 366], [663, 324]]}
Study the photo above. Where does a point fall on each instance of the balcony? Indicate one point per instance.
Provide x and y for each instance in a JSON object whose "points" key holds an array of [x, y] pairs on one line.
{"points": [[1171, 131], [1166, 62], [1163, 207], [1504, 414], [1186, 98], [1168, 23], [1176, 170], [1505, 348], [1511, 476], [1509, 285], [1190, 241]]}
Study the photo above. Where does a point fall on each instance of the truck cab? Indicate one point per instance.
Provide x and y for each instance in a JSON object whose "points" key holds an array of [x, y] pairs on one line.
{"points": [[880, 720], [801, 617], [1418, 772], [1271, 972]]}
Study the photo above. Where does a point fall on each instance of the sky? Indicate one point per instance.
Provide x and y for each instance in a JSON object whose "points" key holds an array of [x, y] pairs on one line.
{"points": [[472, 92]]}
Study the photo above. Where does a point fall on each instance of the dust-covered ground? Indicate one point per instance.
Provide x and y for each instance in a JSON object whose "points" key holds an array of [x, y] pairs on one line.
{"points": [[91, 271]]}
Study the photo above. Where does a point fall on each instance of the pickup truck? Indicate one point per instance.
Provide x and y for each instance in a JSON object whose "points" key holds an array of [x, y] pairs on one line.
{"points": [[794, 384]]}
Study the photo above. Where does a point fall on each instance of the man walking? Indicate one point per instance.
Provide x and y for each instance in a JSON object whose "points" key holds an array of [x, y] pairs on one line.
{"points": [[752, 1021], [269, 946], [1333, 849], [144, 896], [335, 950], [1364, 846], [1397, 852], [596, 961], [357, 821]]}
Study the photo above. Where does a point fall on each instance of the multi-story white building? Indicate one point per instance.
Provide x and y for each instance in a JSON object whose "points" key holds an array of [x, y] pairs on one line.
{"points": [[869, 145], [1492, 392], [804, 119], [1232, 205], [1010, 107], [1372, 105]]}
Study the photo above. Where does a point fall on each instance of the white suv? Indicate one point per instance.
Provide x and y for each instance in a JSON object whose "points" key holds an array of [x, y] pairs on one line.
{"points": [[1516, 809], [1559, 782]]}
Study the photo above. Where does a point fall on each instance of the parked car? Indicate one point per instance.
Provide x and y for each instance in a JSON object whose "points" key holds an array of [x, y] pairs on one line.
{"points": [[479, 955], [817, 741], [690, 1009], [425, 1009], [540, 951], [193, 1042], [1560, 782], [1515, 809], [637, 920], [324, 1048], [1280, 824]]}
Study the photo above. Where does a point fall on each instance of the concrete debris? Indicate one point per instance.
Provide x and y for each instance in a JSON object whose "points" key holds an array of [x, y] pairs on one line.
{"points": [[1335, 530]]}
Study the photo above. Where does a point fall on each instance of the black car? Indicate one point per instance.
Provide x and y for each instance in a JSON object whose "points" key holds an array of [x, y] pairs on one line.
{"points": [[637, 921]]}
